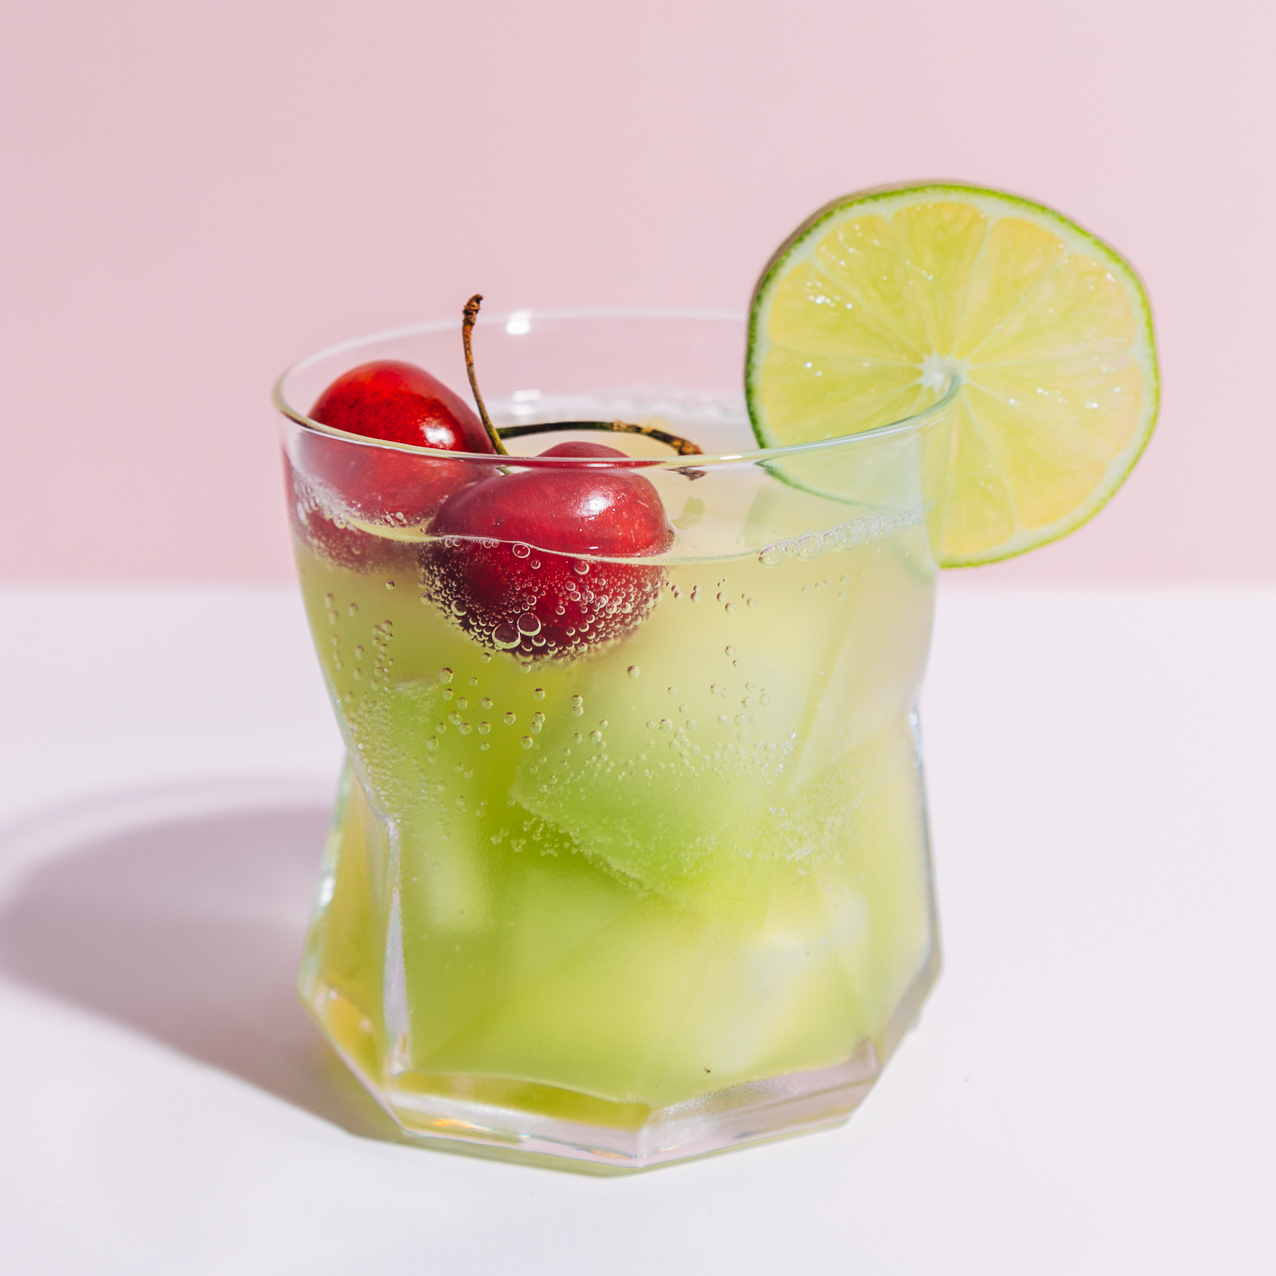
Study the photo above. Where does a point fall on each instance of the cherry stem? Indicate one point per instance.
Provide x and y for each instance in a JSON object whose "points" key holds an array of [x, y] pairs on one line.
{"points": [[683, 447], [470, 314]]}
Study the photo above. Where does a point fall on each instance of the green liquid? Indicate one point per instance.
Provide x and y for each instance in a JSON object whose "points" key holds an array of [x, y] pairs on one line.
{"points": [[693, 859]]}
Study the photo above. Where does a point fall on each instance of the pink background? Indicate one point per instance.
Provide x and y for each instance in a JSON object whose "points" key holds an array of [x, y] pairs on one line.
{"points": [[197, 193]]}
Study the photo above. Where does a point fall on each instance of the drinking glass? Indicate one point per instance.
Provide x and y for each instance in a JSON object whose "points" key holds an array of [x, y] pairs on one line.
{"points": [[661, 886]]}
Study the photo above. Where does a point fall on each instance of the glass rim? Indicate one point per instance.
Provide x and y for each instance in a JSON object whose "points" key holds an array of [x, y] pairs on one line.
{"points": [[904, 425]]}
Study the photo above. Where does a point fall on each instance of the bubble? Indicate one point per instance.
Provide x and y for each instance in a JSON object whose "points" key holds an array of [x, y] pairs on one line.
{"points": [[695, 593], [353, 609], [473, 682], [666, 724], [389, 584], [730, 609], [520, 550], [529, 624], [684, 708], [673, 691], [772, 556], [527, 742], [539, 693], [358, 673], [691, 724], [580, 568], [484, 728], [505, 636], [425, 599], [448, 693], [445, 675], [634, 671], [538, 717], [457, 610], [484, 746], [486, 657], [432, 743], [508, 718], [603, 723], [329, 599], [730, 652], [454, 718], [358, 652], [578, 706], [486, 702], [651, 724], [465, 728], [462, 702], [596, 737]]}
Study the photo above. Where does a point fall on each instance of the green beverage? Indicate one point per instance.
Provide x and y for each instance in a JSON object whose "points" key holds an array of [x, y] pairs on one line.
{"points": [[693, 860]]}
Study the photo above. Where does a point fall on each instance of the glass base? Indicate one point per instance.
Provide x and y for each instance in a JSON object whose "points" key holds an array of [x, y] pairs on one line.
{"points": [[517, 1120]]}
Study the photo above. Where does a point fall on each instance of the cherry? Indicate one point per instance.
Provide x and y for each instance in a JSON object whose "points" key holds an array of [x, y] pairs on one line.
{"points": [[393, 402], [511, 568]]}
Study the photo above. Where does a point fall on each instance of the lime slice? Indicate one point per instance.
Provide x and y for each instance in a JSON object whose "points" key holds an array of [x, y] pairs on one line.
{"points": [[871, 305]]}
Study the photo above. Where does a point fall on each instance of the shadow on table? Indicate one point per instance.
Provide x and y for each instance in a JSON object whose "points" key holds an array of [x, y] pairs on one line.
{"points": [[190, 930]]}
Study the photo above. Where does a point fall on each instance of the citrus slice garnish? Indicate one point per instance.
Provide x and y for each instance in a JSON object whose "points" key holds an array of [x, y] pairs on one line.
{"points": [[865, 312]]}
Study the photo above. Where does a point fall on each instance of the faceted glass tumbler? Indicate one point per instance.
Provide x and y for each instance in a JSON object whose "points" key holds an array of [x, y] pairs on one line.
{"points": [[638, 869]]}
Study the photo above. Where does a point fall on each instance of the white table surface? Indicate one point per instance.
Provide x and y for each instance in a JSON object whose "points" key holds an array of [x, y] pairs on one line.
{"points": [[1089, 1090]]}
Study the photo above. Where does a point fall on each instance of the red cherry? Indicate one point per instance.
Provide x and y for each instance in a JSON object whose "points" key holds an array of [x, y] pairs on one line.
{"points": [[397, 403], [510, 569]]}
